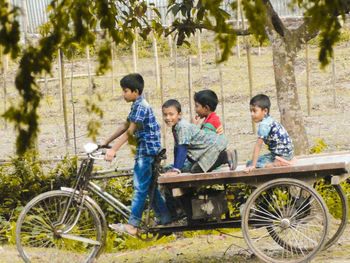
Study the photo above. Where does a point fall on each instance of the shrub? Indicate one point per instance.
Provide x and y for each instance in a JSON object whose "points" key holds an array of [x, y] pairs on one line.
{"points": [[23, 179]]}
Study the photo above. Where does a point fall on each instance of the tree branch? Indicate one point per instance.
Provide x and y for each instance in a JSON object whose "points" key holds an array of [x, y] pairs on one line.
{"points": [[187, 26], [304, 32], [275, 19]]}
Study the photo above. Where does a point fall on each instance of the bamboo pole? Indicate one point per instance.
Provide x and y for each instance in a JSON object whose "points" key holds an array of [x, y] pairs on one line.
{"points": [[155, 50], [190, 86], [4, 67], [25, 20], [249, 62], [221, 88], [333, 81], [73, 108], [89, 71], [170, 41], [238, 50], [134, 52], [63, 97], [161, 103], [175, 61], [308, 89], [199, 50], [112, 66]]}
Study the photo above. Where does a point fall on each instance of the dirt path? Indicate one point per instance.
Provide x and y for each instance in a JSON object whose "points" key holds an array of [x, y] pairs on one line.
{"points": [[202, 248]]}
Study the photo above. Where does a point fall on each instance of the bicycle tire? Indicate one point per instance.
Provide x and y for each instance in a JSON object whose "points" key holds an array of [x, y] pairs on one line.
{"points": [[75, 239]]}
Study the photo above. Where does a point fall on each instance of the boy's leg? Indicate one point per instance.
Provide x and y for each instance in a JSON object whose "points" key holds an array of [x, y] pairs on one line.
{"points": [[263, 160], [222, 159], [142, 181], [195, 168], [160, 208], [142, 178]]}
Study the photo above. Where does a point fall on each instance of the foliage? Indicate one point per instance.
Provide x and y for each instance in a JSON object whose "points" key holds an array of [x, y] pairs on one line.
{"points": [[326, 17], [205, 14], [319, 147], [331, 198], [24, 179], [9, 29]]}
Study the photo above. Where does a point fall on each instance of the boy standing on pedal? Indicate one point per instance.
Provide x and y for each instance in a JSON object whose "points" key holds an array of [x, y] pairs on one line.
{"points": [[142, 124], [273, 134]]}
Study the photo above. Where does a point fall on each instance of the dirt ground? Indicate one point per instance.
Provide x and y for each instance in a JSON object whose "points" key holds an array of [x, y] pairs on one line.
{"points": [[202, 248]]}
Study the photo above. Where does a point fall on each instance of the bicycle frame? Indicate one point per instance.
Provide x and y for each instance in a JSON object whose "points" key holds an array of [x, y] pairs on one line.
{"points": [[84, 184]]}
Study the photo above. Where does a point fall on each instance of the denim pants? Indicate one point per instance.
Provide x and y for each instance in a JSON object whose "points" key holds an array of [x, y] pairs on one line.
{"points": [[265, 159], [142, 185]]}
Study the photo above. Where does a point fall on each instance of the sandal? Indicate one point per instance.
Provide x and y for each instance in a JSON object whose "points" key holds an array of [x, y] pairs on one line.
{"points": [[120, 228], [232, 159]]}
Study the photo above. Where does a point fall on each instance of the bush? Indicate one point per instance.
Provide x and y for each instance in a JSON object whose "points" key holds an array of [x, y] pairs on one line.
{"points": [[23, 179]]}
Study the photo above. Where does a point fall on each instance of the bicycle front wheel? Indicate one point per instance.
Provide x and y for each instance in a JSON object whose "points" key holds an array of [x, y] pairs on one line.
{"points": [[56, 227]]}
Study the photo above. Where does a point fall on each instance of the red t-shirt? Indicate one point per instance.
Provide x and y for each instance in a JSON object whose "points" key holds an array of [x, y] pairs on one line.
{"points": [[212, 123]]}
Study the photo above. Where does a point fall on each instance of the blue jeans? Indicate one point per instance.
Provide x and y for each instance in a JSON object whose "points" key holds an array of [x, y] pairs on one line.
{"points": [[142, 182], [265, 159]]}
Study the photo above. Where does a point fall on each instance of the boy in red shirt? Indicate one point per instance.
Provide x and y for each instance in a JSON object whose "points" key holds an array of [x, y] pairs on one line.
{"points": [[205, 106]]}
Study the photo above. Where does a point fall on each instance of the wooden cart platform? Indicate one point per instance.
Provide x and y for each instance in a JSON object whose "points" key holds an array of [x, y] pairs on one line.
{"points": [[308, 169]]}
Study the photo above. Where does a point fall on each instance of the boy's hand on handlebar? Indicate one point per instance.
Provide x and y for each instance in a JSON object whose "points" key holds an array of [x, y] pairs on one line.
{"points": [[110, 153], [249, 169]]}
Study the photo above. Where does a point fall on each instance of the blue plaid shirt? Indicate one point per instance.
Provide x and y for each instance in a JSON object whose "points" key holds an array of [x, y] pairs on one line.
{"points": [[147, 131]]}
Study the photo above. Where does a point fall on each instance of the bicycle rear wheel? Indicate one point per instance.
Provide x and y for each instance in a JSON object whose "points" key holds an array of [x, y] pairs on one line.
{"points": [[72, 234]]}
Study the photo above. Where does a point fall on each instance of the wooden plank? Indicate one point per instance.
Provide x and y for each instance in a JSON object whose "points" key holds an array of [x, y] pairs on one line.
{"points": [[308, 169], [336, 168]]}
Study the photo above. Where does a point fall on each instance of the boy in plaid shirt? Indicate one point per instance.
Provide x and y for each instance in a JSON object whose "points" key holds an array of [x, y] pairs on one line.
{"points": [[205, 150], [142, 124]]}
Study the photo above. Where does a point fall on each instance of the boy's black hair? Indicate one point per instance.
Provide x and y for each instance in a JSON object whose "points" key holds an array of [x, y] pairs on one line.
{"points": [[172, 103], [262, 101], [133, 82], [206, 97]]}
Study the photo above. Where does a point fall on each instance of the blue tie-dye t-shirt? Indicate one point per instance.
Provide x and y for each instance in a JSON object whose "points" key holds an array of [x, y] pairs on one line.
{"points": [[275, 137]]}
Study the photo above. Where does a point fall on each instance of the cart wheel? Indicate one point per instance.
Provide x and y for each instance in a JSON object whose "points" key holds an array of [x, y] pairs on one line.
{"points": [[338, 207], [285, 220]]}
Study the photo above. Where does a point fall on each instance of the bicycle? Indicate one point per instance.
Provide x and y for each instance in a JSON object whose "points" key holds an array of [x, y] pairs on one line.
{"points": [[69, 219]]}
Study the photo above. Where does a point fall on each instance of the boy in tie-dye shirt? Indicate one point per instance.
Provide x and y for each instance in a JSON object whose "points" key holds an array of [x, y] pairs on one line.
{"points": [[273, 134]]}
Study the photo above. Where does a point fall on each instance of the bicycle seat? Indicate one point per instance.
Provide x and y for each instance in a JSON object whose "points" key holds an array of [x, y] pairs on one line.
{"points": [[161, 154]]}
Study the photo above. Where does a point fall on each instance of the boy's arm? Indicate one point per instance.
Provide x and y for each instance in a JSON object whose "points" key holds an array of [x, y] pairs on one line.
{"points": [[116, 134], [123, 139], [180, 155], [256, 152]]}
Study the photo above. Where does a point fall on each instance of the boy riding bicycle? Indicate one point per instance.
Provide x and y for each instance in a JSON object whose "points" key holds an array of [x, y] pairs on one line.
{"points": [[142, 124]]}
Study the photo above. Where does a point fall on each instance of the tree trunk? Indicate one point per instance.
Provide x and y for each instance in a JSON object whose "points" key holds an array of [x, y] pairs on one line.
{"points": [[287, 96]]}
